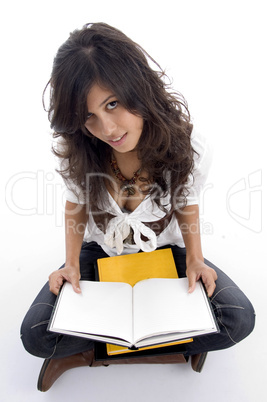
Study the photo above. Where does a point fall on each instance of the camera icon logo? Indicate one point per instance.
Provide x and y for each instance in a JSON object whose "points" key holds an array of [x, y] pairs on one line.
{"points": [[244, 201]]}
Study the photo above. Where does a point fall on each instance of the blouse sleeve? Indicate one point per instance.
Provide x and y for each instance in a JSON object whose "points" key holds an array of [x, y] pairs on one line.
{"points": [[71, 191], [202, 162]]}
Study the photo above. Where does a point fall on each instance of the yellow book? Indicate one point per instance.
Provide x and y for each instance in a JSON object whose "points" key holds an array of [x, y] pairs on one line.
{"points": [[132, 268], [116, 349]]}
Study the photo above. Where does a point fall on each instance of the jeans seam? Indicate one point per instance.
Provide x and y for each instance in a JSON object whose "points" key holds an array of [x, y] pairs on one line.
{"points": [[40, 323], [54, 351], [44, 323], [229, 305], [219, 309], [38, 304], [226, 287], [227, 331]]}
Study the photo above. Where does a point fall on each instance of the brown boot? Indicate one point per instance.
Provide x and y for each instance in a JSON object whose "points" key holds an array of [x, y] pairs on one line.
{"points": [[53, 368], [197, 361]]}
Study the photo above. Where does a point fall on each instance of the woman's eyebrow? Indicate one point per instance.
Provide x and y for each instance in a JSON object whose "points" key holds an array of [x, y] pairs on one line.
{"points": [[104, 101], [110, 96]]}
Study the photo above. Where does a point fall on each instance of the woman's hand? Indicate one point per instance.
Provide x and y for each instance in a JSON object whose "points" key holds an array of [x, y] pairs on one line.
{"points": [[199, 270], [70, 274]]}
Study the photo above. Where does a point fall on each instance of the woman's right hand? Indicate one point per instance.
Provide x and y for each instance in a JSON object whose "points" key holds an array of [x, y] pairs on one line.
{"points": [[70, 274]]}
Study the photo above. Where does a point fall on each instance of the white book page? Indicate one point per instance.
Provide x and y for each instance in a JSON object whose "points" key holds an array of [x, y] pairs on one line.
{"points": [[102, 308], [164, 305]]}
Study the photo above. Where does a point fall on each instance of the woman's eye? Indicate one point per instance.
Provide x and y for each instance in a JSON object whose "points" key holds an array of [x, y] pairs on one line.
{"points": [[112, 105], [89, 115]]}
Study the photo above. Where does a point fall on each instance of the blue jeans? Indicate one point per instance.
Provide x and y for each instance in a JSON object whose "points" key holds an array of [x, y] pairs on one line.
{"points": [[234, 313]]}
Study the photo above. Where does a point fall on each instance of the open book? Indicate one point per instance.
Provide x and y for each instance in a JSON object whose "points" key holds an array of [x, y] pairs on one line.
{"points": [[154, 311]]}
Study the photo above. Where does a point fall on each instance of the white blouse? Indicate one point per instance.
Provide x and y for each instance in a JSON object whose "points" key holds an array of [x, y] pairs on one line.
{"points": [[146, 223]]}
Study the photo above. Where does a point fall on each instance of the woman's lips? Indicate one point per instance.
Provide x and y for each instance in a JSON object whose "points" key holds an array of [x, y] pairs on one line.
{"points": [[118, 141]]}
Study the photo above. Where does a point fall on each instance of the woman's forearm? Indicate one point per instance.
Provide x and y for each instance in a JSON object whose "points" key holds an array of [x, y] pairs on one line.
{"points": [[196, 268], [188, 220], [75, 223]]}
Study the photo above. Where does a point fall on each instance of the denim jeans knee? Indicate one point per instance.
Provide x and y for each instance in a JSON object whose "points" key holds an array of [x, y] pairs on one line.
{"points": [[234, 312]]}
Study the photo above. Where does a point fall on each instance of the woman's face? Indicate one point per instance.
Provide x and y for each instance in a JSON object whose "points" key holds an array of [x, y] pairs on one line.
{"points": [[110, 122]]}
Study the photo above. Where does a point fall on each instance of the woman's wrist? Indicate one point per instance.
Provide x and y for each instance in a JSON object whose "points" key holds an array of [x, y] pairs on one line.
{"points": [[194, 258], [73, 264]]}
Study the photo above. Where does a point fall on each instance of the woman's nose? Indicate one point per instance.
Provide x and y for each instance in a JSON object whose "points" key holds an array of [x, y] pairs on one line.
{"points": [[108, 126]]}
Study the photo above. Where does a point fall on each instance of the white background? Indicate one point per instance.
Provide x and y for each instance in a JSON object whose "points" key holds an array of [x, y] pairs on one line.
{"points": [[215, 52]]}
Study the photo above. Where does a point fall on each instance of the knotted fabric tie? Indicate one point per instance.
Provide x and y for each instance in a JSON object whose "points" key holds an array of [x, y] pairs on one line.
{"points": [[119, 228]]}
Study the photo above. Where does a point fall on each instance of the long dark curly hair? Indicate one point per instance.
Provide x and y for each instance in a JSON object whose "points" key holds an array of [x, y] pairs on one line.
{"points": [[99, 53]]}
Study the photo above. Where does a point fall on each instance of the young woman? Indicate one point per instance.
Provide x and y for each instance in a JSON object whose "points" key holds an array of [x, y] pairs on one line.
{"points": [[133, 167]]}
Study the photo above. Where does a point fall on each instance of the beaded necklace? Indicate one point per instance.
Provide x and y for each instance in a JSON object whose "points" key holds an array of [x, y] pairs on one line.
{"points": [[127, 185]]}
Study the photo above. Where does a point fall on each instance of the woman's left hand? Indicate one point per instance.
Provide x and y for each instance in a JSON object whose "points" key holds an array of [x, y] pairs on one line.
{"points": [[199, 270]]}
